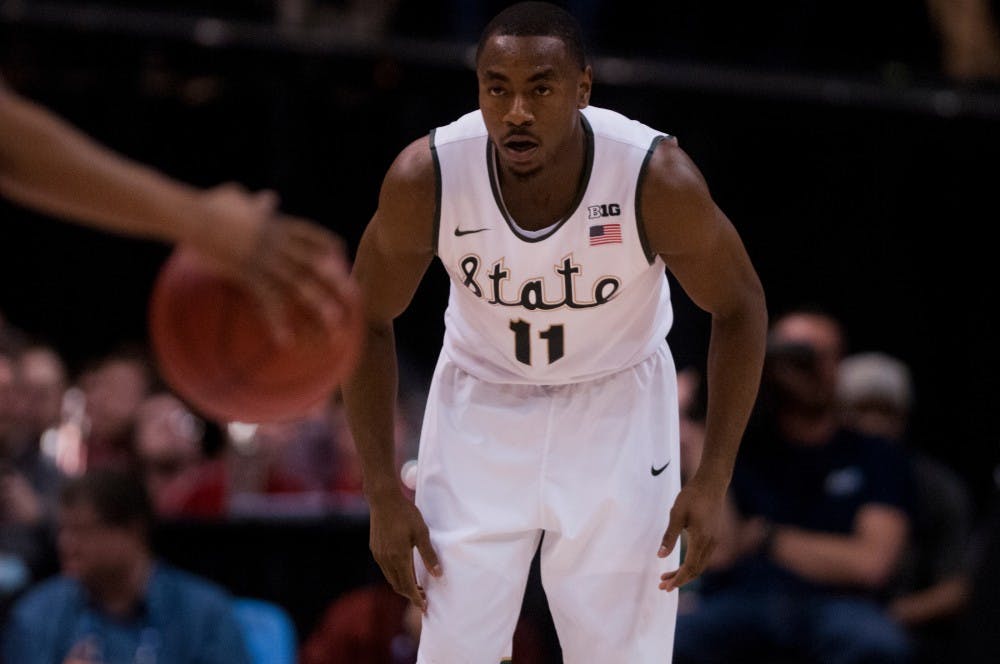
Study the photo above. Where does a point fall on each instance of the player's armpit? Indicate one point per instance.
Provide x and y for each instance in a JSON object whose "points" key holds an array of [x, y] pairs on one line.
{"points": [[693, 236], [398, 243]]}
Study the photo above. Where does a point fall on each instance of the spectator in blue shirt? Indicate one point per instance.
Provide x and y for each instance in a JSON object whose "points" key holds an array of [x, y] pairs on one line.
{"points": [[114, 603], [817, 522]]}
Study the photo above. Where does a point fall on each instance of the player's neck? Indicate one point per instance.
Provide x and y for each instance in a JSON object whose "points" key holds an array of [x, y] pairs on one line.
{"points": [[544, 198]]}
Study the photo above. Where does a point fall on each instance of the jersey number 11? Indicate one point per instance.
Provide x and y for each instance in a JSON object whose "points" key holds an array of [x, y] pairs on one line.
{"points": [[522, 341]]}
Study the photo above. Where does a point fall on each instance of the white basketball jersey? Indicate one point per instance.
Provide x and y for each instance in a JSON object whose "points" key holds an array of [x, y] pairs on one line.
{"points": [[581, 300]]}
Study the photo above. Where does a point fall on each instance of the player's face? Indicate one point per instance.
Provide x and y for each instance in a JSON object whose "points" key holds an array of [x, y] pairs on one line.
{"points": [[530, 92]]}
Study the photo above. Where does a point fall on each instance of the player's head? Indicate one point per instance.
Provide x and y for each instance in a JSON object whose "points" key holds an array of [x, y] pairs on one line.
{"points": [[533, 79], [538, 19]]}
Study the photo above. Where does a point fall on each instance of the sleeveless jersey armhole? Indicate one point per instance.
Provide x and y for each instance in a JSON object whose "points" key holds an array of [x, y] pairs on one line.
{"points": [[436, 226], [639, 221]]}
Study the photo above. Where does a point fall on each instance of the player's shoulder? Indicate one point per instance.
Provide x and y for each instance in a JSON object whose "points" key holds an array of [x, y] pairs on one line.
{"points": [[408, 200], [672, 190], [411, 182], [413, 167], [613, 126], [469, 127], [671, 171], [676, 207]]}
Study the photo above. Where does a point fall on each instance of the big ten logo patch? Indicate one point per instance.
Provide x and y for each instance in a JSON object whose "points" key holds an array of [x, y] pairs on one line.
{"points": [[606, 210]]}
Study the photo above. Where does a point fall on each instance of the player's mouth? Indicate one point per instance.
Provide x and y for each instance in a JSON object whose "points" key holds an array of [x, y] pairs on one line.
{"points": [[520, 149]]}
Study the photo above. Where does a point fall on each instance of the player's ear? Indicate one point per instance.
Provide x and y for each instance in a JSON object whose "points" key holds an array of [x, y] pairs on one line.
{"points": [[586, 81]]}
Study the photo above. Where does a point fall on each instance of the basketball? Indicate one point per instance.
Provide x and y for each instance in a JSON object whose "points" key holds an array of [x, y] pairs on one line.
{"points": [[214, 347]]}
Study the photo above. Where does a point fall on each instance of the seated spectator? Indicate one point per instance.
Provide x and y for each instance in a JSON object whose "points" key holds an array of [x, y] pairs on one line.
{"points": [[113, 389], [42, 383], [31, 387], [168, 448], [817, 526], [375, 625], [302, 448], [372, 624], [931, 586], [302, 467], [113, 603], [979, 638], [318, 450], [31, 482], [239, 480]]}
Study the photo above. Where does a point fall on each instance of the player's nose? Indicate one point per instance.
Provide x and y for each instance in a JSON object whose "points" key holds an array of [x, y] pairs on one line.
{"points": [[519, 113]]}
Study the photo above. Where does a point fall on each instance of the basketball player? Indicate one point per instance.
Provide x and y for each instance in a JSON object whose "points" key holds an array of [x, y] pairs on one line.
{"points": [[552, 415], [52, 167]]}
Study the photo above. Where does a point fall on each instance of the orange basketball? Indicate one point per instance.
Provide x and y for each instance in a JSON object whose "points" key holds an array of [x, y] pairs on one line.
{"points": [[213, 346]]}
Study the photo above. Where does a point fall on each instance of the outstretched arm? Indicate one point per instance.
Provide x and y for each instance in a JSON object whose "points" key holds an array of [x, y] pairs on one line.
{"points": [[394, 254], [704, 252], [50, 166]]}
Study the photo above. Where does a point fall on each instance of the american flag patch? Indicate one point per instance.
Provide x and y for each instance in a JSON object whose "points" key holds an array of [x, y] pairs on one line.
{"points": [[605, 234]]}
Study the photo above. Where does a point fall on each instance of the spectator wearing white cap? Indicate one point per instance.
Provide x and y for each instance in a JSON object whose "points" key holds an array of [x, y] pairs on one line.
{"points": [[876, 392], [931, 585]]}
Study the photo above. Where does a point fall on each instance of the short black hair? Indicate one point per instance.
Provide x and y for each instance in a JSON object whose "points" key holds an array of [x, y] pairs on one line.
{"points": [[538, 19], [119, 498]]}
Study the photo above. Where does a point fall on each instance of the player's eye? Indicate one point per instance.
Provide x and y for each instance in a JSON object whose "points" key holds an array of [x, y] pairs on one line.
{"points": [[495, 90], [543, 90]]}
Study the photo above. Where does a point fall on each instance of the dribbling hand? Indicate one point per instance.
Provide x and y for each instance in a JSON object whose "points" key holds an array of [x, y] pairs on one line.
{"points": [[281, 259], [396, 528]]}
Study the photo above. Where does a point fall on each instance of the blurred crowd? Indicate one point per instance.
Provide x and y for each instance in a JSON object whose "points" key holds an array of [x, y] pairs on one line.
{"points": [[841, 543], [91, 460]]}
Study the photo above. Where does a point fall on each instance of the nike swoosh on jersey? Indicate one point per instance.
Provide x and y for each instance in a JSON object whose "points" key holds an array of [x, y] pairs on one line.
{"points": [[656, 471], [459, 232]]}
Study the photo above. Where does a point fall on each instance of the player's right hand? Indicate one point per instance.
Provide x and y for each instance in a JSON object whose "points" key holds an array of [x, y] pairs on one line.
{"points": [[396, 528], [280, 259]]}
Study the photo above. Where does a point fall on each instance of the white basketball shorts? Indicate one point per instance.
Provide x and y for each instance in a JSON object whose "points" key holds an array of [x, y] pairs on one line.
{"points": [[593, 466]]}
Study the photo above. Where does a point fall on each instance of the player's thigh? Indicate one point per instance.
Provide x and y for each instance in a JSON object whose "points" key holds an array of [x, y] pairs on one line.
{"points": [[477, 488], [612, 479], [472, 609], [480, 451]]}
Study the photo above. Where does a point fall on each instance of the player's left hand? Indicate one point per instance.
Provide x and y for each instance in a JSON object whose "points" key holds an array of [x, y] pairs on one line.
{"points": [[698, 510]]}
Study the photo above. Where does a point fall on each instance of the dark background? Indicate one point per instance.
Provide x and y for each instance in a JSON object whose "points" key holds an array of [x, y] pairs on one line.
{"points": [[860, 179]]}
